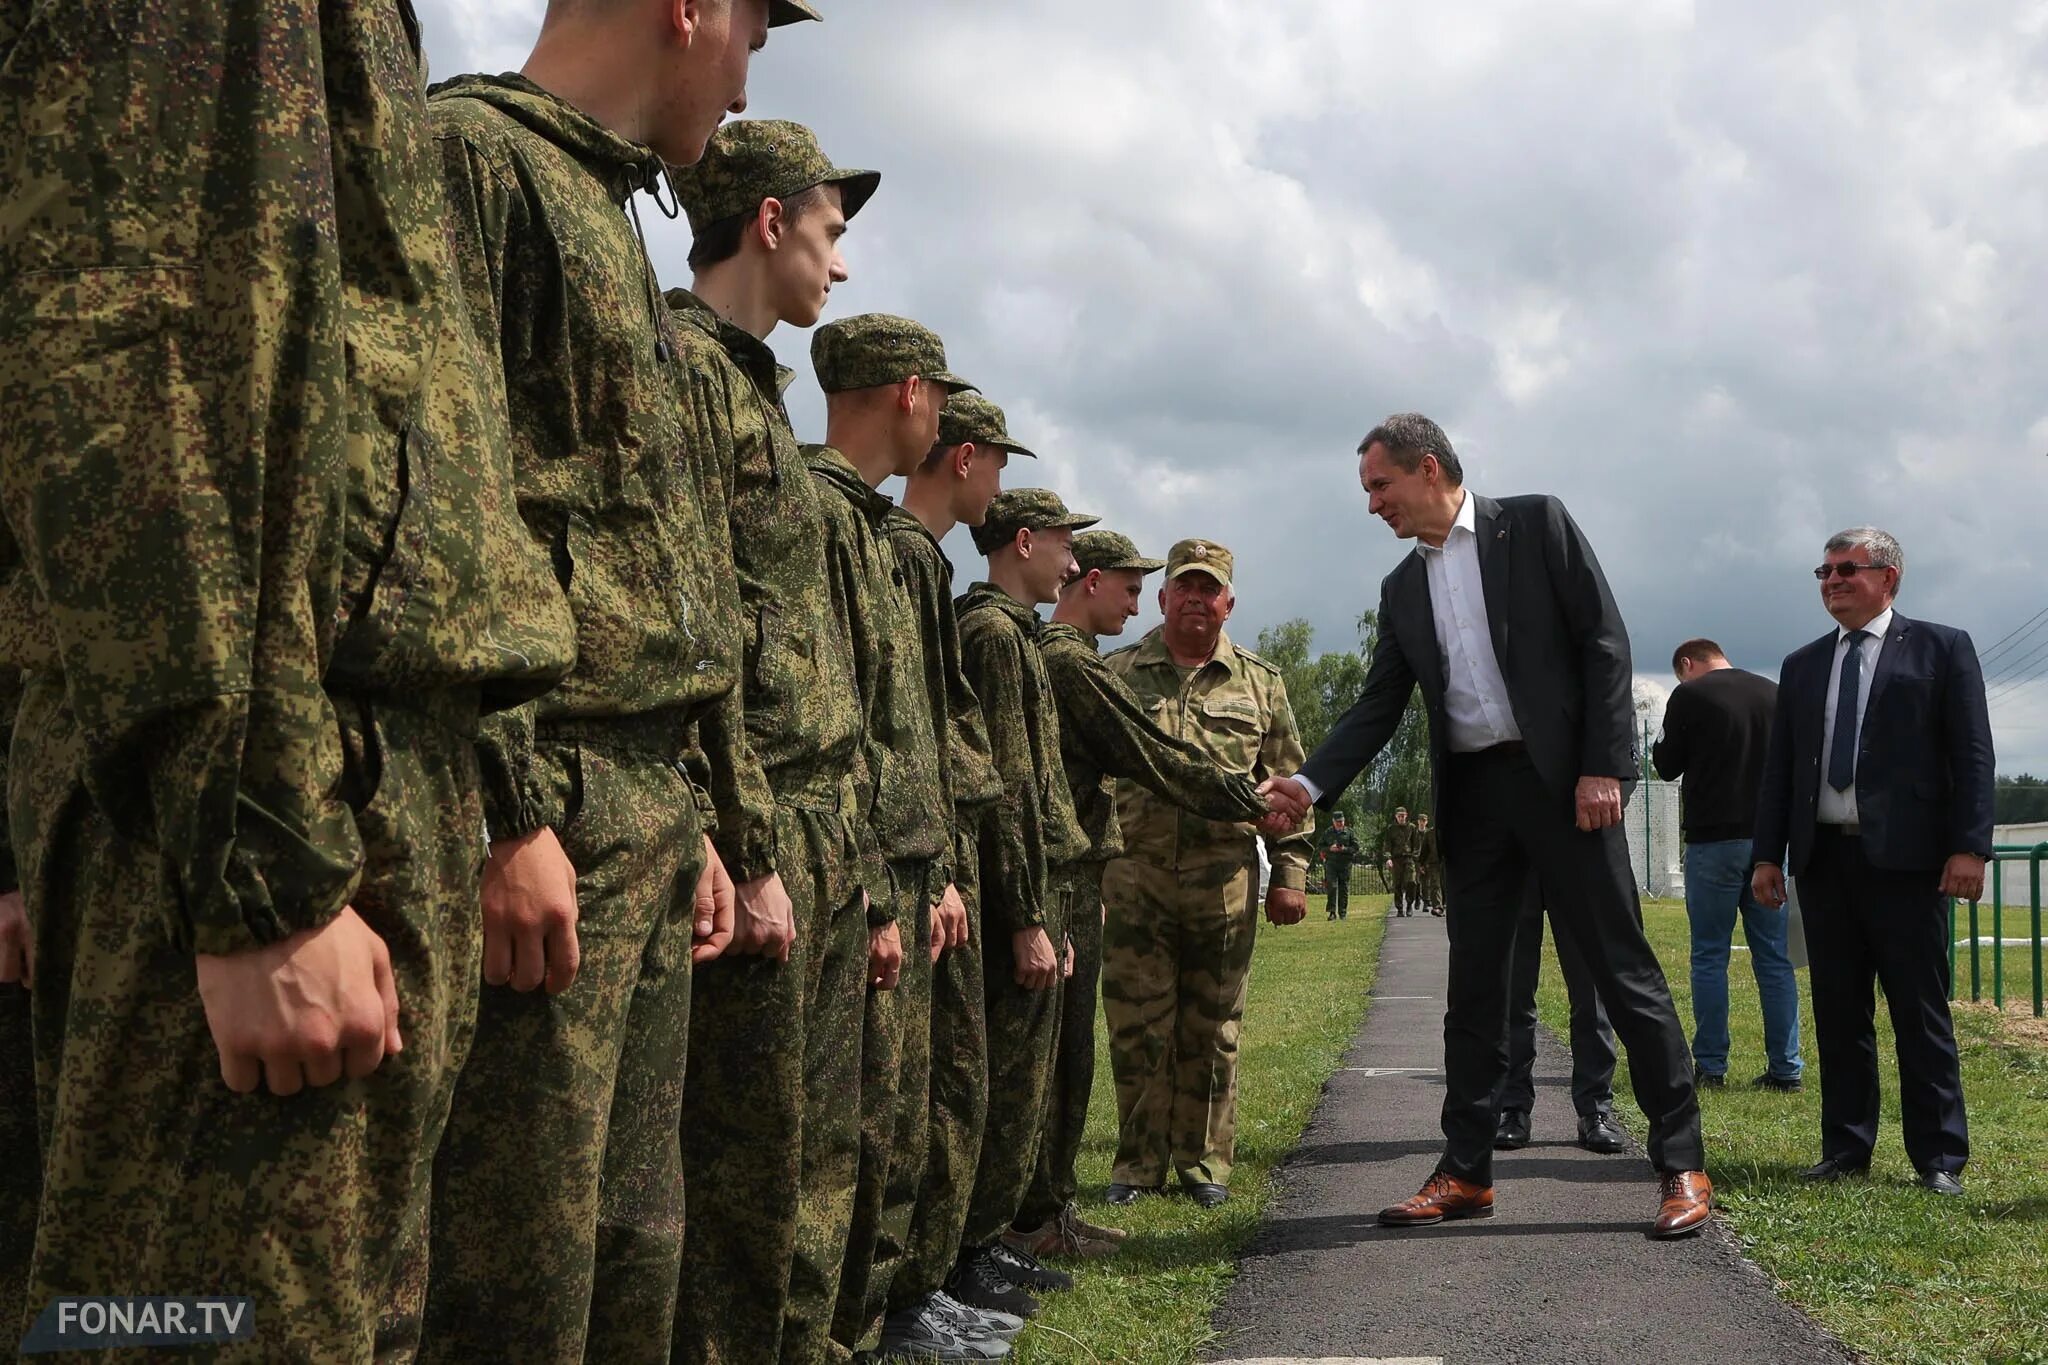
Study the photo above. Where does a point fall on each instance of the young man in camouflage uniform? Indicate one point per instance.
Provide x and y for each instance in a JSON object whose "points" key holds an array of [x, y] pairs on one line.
{"points": [[1028, 539], [953, 486], [885, 382], [1181, 900], [1340, 846], [258, 476], [1429, 866], [1399, 846], [769, 1119]]}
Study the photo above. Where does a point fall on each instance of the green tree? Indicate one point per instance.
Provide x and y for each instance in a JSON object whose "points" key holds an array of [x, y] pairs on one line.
{"points": [[2020, 800]]}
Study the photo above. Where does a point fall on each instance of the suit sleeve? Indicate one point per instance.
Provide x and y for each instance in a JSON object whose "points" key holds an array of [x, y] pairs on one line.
{"points": [[1279, 756], [1363, 731], [1966, 727], [1123, 740], [1607, 742], [1671, 751], [1774, 792]]}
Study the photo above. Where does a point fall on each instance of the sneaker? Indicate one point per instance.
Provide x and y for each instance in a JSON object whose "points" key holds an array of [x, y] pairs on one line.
{"points": [[1025, 1270], [1058, 1236], [978, 1282], [1785, 1084], [1095, 1230], [924, 1333], [1709, 1080], [977, 1321]]}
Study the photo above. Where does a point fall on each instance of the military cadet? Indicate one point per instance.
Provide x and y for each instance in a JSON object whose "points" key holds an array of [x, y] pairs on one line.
{"points": [[259, 477], [559, 1192], [1399, 847], [770, 1119], [1105, 734], [1339, 847], [1182, 898], [885, 382], [953, 486], [1429, 867], [1028, 541]]}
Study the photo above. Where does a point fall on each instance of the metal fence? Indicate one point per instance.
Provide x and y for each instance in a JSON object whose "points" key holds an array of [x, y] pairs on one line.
{"points": [[2024, 860]]}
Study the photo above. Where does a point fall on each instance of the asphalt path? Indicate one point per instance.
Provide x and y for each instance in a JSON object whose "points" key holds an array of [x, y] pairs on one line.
{"points": [[1561, 1275]]}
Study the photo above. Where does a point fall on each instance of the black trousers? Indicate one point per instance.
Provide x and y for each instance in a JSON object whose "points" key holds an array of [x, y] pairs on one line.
{"points": [[1501, 824], [1591, 1035], [1865, 923]]}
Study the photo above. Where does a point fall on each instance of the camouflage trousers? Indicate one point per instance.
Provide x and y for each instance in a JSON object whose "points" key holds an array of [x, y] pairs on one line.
{"points": [[1337, 880], [558, 1203], [1023, 1038], [157, 1177], [21, 1170], [895, 1091], [957, 1113], [1073, 1070], [771, 1123], [1404, 884], [1429, 886], [1176, 955]]}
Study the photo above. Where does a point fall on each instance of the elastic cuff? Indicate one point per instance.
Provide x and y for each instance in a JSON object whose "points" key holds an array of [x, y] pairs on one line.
{"points": [[1289, 879], [747, 849]]}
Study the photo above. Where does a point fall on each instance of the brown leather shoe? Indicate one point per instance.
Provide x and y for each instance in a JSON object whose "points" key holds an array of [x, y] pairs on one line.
{"points": [[1443, 1196], [1688, 1203]]}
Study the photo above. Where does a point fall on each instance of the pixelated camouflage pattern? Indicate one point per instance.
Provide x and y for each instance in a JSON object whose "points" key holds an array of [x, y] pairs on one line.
{"points": [[872, 349], [157, 1173], [255, 454], [1400, 840], [1235, 708], [971, 417], [21, 1174], [558, 1203], [1107, 734], [749, 160], [1200, 556], [1056, 1180], [1019, 509], [1111, 550]]}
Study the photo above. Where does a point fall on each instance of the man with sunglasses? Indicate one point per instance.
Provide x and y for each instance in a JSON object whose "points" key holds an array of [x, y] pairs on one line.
{"points": [[1878, 776]]}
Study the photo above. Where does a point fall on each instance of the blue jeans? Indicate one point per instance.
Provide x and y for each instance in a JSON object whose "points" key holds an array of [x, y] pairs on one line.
{"points": [[1716, 884]]}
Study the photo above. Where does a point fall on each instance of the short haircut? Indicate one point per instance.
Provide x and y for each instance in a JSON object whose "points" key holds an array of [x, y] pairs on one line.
{"points": [[719, 242], [1701, 651], [1408, 436], [936, 456], [1884, 547]]}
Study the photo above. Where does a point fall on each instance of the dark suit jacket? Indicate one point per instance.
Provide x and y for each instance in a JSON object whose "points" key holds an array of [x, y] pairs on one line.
{"points": [[1557, 633], [1924, 764]]}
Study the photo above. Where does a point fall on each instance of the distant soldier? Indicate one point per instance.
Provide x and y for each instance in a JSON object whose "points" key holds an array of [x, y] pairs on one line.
{"points": [[1177, 948], [1399, 846], [1429, 866], [1339, 848]]}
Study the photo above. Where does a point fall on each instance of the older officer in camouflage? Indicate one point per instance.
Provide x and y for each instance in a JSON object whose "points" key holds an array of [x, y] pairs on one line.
{"points": [[1105, 734], [885, 382], [1028, 539], [1182, 918], [559, 1197], [770, 1120], [258, 477]]}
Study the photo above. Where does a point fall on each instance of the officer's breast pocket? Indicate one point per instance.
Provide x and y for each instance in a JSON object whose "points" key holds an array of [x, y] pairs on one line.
{"points": [[1234, 730]]}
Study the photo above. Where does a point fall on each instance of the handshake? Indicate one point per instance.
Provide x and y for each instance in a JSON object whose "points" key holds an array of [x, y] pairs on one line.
{"points": [[1287, 806]]}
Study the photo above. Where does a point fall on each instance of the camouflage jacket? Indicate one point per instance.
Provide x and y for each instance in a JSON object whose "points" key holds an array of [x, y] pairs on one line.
{"points": [[968, 784], [1400, 841], [563, 292], [801, 712], [1340, 846], [907, 807], [1033, 827], [255, 459], [1427, 853], [1105, 734], [1235, 708]]}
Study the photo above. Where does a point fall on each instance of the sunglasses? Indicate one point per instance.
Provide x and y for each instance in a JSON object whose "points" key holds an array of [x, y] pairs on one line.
{"points": [[1845, 570]]}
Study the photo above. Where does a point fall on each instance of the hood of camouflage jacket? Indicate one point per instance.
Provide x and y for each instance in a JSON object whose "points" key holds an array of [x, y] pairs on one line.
{"points": [[624, 166], [830, 464], [989, 595]]}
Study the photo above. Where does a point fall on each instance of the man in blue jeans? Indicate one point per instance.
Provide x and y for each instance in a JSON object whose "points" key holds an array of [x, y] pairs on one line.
{"points": [[1715, 730]]}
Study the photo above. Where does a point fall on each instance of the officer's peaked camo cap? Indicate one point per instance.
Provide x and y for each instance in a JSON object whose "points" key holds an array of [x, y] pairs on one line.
{"points": [[1108, 550], [970, 417], [879, 348], [762, 158], [1200, 556], [782, 12], [1025, 509]]}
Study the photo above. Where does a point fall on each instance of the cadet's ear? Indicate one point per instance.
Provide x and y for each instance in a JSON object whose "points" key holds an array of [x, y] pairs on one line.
{"points": [[769, 221], [963, 457], [683, 18], [906, 394]]}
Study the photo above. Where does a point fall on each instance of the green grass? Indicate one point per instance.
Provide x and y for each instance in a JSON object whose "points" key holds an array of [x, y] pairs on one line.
{"points": [[1150, 1305], [1900, 1275], [2009, 964]]}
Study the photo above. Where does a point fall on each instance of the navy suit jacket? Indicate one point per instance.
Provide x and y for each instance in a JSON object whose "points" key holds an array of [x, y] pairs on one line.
{"points": [[1924, 766]]}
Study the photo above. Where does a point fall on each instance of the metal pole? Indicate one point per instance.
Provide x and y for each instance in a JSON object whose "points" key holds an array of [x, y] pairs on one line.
{"points": [[2034, 873], [1976, 976], [1998, 952]]}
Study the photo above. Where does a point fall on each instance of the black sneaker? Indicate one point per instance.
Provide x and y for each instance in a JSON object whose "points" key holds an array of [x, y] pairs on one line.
{"points": [[1123, 1195], [924, 1333], [1785, 1084], [1709, 1080], [1023, 1269], [976, 1322], [979, 1282]]}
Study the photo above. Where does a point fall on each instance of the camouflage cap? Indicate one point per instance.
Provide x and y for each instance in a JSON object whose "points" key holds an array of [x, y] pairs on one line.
{"points": [[970, 417], [1200, 556], [762, 158], [1025, 509], [782, 12], [1108, 550], [879, 348]]}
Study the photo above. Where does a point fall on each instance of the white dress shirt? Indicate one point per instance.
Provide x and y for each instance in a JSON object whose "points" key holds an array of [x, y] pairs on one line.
{"points": [[1839, 808], [1477, 711]]}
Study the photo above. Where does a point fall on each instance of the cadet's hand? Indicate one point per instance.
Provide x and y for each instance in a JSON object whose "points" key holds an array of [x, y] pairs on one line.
{"points": [[711, 933], [302, 1011], [17, 947], [951, 915], [1962, 878], [1768, 884], [885, 957], [1287, 805], [1599, 802], [1284, 906], [1038, 967], [1067, 972], [764, 922], [530, 914]]}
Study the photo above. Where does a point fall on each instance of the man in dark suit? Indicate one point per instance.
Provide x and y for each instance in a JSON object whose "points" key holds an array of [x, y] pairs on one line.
{"points": [[1503, 619], [1879, 776]]}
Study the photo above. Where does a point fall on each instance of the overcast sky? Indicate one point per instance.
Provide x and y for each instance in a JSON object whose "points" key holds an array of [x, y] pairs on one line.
{"points": [[1725, 277]]}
